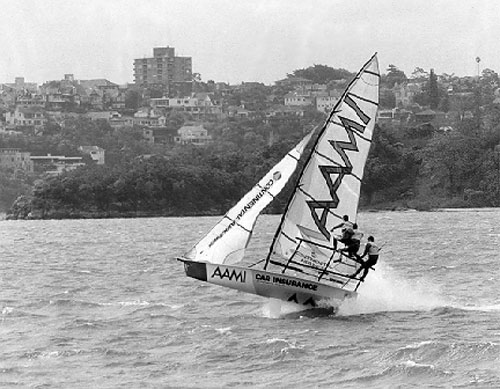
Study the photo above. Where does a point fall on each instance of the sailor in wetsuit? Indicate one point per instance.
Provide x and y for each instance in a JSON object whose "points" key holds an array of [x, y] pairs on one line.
{"points": [[353, 243], [372, 250], [347, 232]]}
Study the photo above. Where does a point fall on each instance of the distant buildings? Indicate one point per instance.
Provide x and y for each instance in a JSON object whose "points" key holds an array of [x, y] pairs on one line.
{"points": [[15, 159], [165, 94], [165, 70], [20, 85]]}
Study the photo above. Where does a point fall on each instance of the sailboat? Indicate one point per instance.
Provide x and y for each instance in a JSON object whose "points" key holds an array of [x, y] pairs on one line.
{"points": [[303, 264]]}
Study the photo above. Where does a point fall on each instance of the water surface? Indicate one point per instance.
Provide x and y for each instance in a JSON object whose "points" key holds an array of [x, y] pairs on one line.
{"points": [[104, 304]]}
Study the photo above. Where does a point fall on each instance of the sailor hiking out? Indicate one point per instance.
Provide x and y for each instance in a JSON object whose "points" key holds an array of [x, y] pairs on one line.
{"points": [[372, 250], [346, 227], [353, 243]]}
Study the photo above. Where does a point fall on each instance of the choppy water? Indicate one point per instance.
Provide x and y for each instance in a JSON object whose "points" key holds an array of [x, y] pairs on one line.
{"points": [[103, 304]]}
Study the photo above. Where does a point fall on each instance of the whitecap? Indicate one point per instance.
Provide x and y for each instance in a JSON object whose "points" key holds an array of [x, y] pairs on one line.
{"points": [[7, 310], [276, 340], [225, 330], [132, 303], [486, 308], [414, 346], [410, 364]]}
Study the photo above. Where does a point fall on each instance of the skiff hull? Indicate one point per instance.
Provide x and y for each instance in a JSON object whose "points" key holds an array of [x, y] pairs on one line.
{"points": [[266, 284]]}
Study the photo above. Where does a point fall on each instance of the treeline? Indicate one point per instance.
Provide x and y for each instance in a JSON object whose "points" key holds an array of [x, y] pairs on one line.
{"points": [[422, 168], [189, 181], [406, 169]]}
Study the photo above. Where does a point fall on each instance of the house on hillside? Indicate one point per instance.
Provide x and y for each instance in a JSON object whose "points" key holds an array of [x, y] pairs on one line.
{"points": [[193, 134], [15, 159], [96, 153], [435, 118], [30, 99], [239, 112], [159, 135], [26, 116], [296, 99], [55, 164], [385, 116], [284, 114], [147, 117], [326, 101]]}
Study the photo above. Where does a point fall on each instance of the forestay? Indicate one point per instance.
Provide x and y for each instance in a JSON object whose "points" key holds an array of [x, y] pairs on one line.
{"points": [[226, 242], [329, 184]]}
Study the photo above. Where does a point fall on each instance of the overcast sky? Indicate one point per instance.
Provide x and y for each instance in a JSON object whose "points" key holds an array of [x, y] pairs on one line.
{"points": [[245, 40]]}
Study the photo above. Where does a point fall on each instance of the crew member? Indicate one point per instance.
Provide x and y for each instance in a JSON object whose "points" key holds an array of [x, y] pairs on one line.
{"points": [[347, 231], [372, 250]]}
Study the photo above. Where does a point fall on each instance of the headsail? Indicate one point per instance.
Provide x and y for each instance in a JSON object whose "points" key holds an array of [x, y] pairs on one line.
{"points": [[330, 182], [227, 240]]}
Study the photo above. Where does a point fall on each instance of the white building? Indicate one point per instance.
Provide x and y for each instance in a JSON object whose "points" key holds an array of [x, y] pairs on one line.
{"points": [[95, 152], [191, 134]]}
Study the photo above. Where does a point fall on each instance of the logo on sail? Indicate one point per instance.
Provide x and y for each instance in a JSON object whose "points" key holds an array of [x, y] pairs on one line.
{"points": [[321, 208]]}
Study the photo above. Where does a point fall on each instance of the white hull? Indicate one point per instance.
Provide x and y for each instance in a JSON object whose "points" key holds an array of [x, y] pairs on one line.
{"points": [[265, 283]]}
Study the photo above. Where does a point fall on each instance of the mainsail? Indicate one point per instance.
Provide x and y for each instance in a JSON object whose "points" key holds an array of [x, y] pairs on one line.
{"points": [[227, 240], [329, 184]]}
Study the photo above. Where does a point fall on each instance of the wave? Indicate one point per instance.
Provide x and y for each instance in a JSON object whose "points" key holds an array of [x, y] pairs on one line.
{"points": [[282, 348], [432, 352], [73, 303], [11, 312], [483, 308]]}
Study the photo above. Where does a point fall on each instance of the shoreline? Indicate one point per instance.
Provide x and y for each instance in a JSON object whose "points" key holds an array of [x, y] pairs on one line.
{"points": [[144, 214]]}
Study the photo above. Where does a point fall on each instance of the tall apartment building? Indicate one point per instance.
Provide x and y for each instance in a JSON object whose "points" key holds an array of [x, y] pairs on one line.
{"points": [[165, 70]]}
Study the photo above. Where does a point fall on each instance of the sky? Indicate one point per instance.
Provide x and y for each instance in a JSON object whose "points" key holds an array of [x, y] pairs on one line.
{"points": [[245, 40]]}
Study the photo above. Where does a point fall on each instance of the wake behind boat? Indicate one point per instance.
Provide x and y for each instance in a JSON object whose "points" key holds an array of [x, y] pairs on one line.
{"points": [[303, 264]]}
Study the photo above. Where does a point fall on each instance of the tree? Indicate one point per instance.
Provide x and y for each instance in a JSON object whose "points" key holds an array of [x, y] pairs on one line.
{"points": [[394, 76], [433, 90], [453, 163], [419, 74], [488, 83], [132, 99], [321, 74], [390, 170]]}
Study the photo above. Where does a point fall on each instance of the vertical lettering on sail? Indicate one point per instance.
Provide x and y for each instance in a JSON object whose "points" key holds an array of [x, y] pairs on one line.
{"points": [[320, 209]]}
